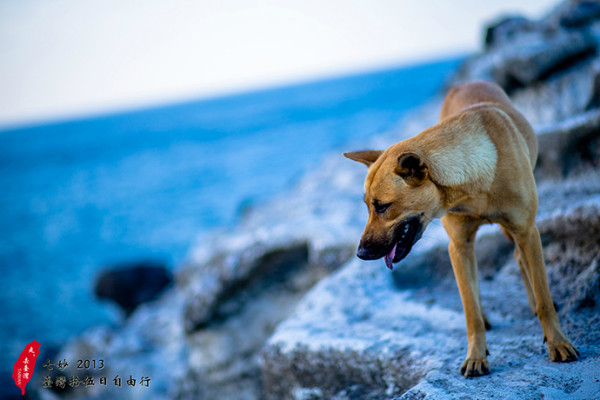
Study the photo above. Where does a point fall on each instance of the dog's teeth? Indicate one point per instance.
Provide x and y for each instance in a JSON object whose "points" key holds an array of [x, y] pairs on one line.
{"points": [[405, 228]]}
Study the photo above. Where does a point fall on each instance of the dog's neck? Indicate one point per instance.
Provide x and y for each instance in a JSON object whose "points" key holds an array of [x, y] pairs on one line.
{"points": [[459, 153]]}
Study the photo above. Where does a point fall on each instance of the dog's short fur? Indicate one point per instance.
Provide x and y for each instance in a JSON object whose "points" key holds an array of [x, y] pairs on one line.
{"points": [[474, 167]]}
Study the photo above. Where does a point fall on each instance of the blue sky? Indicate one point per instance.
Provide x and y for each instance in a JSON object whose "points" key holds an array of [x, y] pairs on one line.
{"points": [[65, 58]]}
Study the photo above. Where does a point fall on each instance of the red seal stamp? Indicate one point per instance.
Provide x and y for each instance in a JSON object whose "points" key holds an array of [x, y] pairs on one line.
{"points": [[23, 369]]}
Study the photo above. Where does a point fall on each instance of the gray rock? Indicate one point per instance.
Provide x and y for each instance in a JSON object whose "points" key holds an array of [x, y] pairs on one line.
{"points": [[545, 103], [223, 351], [548, 70], [569, 146], [594, 98], [233, 285], [537, 55], [355, 335], [560, 97], [572, 254], [531, 56], [329, 373], [505, 29], [581, 13]]}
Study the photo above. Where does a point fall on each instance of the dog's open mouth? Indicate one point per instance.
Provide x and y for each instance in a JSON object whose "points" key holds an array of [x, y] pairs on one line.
{"points": [[405, 237]]}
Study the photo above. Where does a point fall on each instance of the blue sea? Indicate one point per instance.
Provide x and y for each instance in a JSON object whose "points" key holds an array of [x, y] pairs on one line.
{"points": [[79, 195]]}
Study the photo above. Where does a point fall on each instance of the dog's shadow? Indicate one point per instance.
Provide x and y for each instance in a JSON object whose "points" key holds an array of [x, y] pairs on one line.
{"points": [[432, 267]]}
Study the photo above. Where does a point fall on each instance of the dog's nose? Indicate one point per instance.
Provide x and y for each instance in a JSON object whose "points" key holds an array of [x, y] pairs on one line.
{"points": [[363, 253]]}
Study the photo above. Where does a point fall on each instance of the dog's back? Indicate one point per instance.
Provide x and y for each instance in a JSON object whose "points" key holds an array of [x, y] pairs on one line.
{"points": [[482, 93]]}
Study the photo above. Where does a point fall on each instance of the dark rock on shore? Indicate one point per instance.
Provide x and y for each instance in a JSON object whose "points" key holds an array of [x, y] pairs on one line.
{"points": [[134, 283]]}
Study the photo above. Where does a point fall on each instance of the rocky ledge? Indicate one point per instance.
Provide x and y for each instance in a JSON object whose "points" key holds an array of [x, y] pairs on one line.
{"points": [[360, 334], [280, 309]]}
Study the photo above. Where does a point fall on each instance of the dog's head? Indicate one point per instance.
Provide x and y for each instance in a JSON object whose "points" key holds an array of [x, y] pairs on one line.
{"points": [[402, 200]]}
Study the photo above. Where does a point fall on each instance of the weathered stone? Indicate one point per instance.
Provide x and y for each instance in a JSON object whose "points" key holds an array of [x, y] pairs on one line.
{"points": [[548, 70], [338, 373], [535, 56], [560, 96], [356, 316], [224, 350], [569, 146], [581, 13], [594, 97], [251, 277], [572, 254], [505, 29]]}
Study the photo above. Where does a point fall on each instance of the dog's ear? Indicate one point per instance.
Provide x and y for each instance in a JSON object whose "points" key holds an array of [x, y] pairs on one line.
{"points": [[366, 157], [412, 169]]}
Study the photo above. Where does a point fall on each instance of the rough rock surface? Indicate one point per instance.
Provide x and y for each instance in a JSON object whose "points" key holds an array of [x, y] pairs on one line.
{"points": [[245, 319], [568, 146], [397, 331], [548, 70]]}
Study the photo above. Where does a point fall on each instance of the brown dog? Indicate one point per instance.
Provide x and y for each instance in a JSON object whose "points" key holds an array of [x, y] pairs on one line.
{"points": [[474, 167]]}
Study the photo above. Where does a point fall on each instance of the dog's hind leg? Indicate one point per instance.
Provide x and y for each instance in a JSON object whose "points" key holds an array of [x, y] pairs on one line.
{"points": [[461, 231], [526, 281], [530, 249], [524, 273]]}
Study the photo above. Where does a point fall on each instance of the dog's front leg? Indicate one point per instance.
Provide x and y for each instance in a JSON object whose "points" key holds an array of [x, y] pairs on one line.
{"points": [[530, 247], [461, 231]]}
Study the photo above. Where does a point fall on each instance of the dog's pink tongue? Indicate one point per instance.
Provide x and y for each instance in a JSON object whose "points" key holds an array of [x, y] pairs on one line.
{"points": [[389, 258]]}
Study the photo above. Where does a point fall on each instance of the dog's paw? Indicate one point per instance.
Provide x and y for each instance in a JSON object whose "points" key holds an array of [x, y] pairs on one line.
{"points": [[475, 367], [562, 351]]}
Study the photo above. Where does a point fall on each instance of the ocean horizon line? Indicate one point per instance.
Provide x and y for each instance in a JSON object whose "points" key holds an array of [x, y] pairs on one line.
{"points": [[135, 107]]}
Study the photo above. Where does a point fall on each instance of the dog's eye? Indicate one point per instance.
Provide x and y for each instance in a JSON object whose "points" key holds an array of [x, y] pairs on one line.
{"points": [[381, 208]]}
